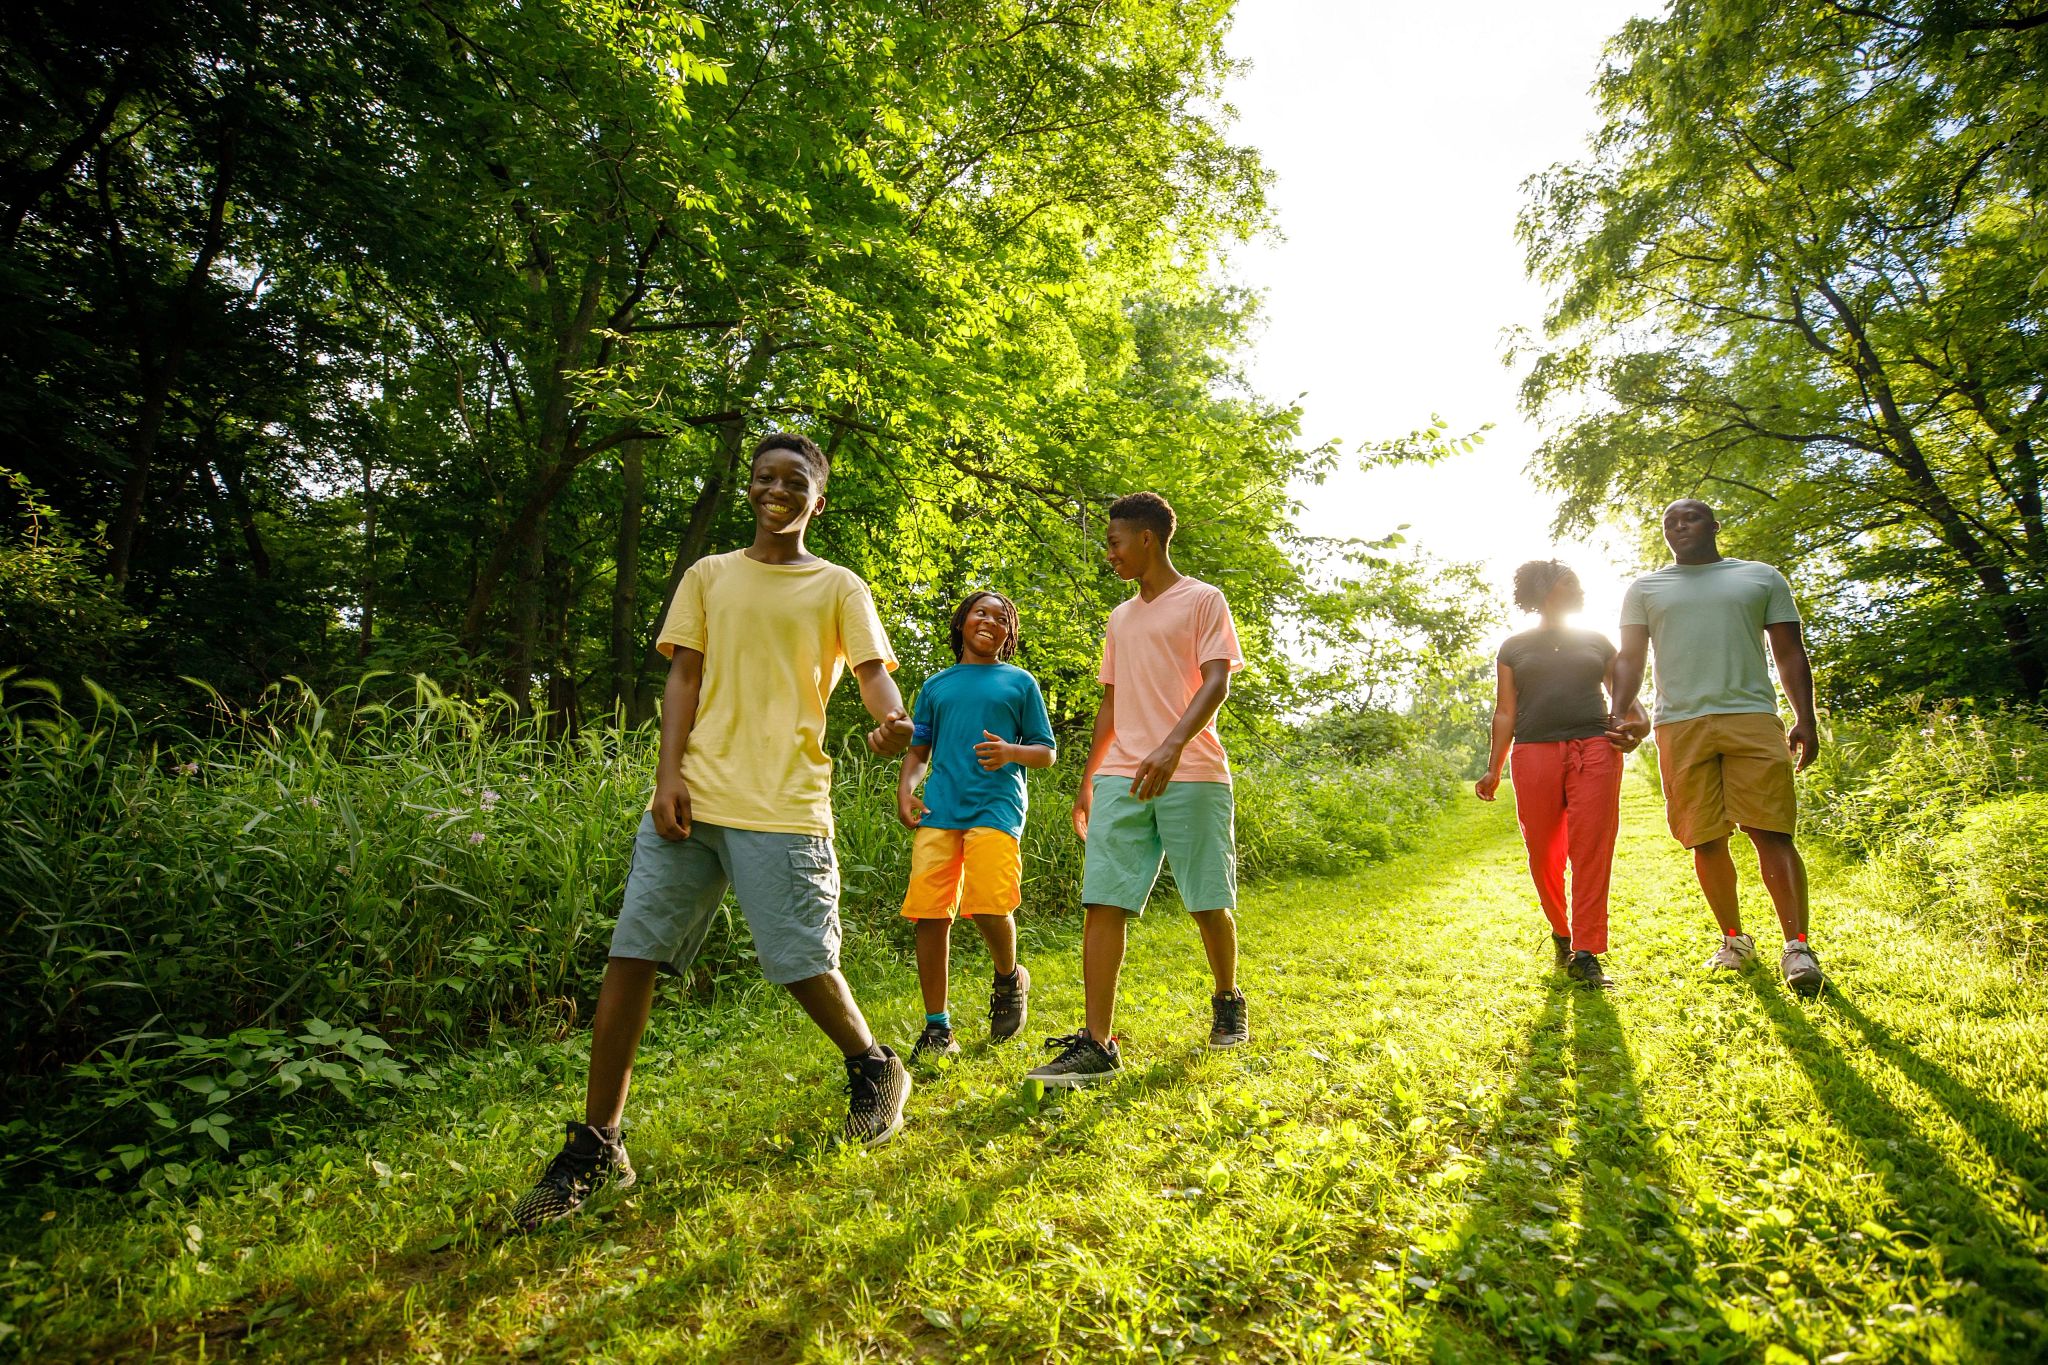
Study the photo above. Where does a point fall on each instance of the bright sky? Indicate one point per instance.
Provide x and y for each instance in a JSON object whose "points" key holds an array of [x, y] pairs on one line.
{"points": [[1400, 135]]}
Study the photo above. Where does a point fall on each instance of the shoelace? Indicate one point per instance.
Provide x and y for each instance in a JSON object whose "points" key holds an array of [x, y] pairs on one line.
{"points": [[1230, 1011], [1071, 1045], [861, 1090]]}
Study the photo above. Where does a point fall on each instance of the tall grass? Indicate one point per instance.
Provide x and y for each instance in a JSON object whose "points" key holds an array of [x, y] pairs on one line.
{"points": [[212, 931]]}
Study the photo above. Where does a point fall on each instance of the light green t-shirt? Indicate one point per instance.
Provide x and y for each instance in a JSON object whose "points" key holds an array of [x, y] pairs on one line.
{"points": [[1707, 627]]}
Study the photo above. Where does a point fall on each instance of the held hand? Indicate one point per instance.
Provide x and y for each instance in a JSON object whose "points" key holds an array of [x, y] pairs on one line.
{"points": [[892, 736], [910, 808], [1155, 772], [672, 807], [993, 752], [1626, 732], [1084, 802], [1486, 786], [1804, 742]]}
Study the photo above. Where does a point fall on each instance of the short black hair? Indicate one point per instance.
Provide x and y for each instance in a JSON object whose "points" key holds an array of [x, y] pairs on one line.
{"points": [[956, 635], [1147, 512], [1535, 580], [800, 445]]}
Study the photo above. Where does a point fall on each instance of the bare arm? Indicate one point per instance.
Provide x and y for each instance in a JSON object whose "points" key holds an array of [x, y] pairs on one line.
{"points": [[909, 808], [1625, 676], [1158, 766], [678, 717], [892, 732], [1098, 749], [1795, 672], [1503, 731], [994, 752]]}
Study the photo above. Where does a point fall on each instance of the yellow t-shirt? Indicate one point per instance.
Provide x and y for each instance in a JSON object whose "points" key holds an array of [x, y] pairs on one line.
{"points": [[775, 638]]}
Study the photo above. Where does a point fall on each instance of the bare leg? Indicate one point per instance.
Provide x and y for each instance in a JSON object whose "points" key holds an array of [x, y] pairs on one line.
{"points": [[1219, 941], [1102, 959], [829, 1001], [1784, 873], [1717, 879], [623, 1002], [999, 933], [934, 948]]}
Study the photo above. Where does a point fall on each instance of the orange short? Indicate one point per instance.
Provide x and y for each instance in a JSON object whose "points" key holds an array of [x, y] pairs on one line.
{"points": [[964, 872], [1724, 771]]}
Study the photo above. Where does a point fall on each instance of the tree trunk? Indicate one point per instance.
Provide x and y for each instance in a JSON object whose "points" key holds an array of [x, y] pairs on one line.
{"points": [[732, 440], [558, 577], [626, 580]]}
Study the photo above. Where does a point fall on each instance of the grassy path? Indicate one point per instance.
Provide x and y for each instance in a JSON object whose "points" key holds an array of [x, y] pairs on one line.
{"points": [[1433, 1150]]}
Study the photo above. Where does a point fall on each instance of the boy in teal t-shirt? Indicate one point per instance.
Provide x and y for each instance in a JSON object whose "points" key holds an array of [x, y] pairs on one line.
{"points": [[976, 727]]}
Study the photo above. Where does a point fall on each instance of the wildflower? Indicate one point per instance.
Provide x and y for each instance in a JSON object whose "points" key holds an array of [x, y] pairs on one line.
{"points": [[490, 798], [476, 838], [187, 769], [314, 802]]}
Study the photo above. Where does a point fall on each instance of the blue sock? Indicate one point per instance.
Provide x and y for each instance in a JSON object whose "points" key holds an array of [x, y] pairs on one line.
{"points": [[943, 1019]]}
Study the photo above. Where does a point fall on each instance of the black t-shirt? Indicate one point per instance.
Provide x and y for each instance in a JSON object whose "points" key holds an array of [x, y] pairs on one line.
{"points": [[1560, 678]]}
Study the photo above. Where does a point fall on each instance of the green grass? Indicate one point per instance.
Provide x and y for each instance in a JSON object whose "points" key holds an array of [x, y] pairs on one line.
{"points": [[1432, 1150]]}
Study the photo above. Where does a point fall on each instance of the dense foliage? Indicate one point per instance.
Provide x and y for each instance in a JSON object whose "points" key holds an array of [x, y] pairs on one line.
{"points": [[430, 335], [212, 938], [1802, 276]]}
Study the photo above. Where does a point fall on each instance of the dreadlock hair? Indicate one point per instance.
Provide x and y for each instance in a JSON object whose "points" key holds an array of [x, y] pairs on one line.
{"points": [[1147, 512], [1535, 580], [1007, 650], [799, 445]]}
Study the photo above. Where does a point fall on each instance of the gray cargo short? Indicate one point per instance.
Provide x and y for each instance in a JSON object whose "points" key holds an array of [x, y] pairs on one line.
{"points": [[787, 886]]}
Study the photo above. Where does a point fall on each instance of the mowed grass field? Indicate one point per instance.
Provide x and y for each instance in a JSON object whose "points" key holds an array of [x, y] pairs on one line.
{"points": [[1434, 1149]]}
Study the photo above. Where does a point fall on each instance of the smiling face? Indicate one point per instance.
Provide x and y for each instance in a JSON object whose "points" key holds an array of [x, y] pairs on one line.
{"points": [[1129, 549], [1689, 529], [987, 629], [785, 492]]}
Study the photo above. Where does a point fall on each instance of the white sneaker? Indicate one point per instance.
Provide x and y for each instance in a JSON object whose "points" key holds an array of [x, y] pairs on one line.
{"points": [[1734, 954], [1802, 969]]}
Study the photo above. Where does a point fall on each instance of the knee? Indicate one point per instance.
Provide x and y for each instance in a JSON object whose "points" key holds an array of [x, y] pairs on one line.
{"points": [[1712, 848]]}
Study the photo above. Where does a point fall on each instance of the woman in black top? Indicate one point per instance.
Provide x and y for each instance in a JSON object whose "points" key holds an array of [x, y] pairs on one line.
{"points": [[1552, 708]]}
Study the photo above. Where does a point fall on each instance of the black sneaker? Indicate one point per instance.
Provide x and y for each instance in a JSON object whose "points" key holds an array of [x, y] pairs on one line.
{"points": [[935, 1042], [588, 1165], [875, 1092], [1008, 1006], [1082, 1061], [1585, 969], [1227, 1026], [1560, 950]]}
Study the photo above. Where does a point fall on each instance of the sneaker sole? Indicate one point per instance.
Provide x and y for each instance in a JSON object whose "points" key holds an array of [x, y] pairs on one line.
{"points": [[1215, 1046], [1074, 1082], [1807, 989]]}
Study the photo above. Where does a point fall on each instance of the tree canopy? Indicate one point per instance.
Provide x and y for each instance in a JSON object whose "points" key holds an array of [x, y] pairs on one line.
{"points": [[431, 336], [1804, 275]]}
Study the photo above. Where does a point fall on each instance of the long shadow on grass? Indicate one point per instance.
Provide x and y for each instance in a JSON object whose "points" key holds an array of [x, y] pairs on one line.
{"points": [[1515, 1278], [2003, 1136], [1933, 1199]]}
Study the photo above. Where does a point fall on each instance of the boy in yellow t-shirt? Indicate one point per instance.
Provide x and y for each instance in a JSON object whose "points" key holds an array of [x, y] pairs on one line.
{"points": [[743, 797]]}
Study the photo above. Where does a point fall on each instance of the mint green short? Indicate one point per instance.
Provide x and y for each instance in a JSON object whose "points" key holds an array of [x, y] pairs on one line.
{"points": [[1191, 826]]}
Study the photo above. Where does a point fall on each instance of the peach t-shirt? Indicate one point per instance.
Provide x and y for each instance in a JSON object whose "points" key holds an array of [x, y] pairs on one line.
{"points": [[1152, 654]]}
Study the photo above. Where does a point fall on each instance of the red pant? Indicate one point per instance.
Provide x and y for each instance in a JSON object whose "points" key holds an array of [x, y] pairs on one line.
{"points": [[1568, 798]]}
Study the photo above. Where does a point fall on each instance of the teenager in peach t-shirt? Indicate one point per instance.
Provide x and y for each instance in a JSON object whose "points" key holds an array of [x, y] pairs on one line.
{"points": [[1157, 785]]}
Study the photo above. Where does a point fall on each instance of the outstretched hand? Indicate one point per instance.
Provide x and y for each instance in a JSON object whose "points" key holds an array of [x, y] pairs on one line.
{"points": [[892, 736]]}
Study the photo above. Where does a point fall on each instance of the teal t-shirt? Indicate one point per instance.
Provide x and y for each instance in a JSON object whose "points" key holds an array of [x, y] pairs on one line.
{"points": [[953, 708], [1706, 626]]}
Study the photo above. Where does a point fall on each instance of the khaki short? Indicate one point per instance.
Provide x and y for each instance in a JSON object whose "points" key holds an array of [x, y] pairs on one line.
{"points": [[1723, 771]]}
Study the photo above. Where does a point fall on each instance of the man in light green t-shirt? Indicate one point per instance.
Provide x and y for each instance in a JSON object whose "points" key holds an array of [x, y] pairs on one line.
{"points": [[1726, 759]]}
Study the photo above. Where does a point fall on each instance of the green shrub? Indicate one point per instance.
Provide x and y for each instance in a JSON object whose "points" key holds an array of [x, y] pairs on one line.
{"points": [[1996, 858], [182, 911]]}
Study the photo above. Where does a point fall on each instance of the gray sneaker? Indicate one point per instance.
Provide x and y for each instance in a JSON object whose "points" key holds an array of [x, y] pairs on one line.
{"points": [[1733, 955], [1560, 950], [1802, 969], [1082, 1061], [1585, 969], [1227, 1025], [1009, 1003], [875, 1092]]}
